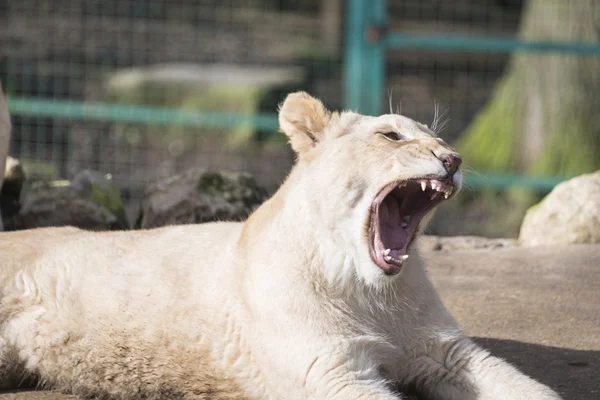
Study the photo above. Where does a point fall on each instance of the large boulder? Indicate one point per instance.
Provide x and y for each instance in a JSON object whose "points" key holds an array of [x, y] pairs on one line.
{"points": [[90, 201], [569, 214], [197, 196], [100, 189]]}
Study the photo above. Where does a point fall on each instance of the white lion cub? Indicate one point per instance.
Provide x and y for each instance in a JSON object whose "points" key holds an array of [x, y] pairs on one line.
{"points": [[319, 295]]}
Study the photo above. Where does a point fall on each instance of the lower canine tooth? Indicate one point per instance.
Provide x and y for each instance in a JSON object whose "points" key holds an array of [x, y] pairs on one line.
{"points": [[434, 195], [404, 257]]}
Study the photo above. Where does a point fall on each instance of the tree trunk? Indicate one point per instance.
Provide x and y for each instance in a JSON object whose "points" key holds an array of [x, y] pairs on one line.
{"points": [[544, 117]]}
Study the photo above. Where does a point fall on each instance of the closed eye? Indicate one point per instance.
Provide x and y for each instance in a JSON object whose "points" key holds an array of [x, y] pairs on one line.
{"points": [[393, 136]]}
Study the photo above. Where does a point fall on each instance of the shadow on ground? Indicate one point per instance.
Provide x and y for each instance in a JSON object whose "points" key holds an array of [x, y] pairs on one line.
{"points": [[571, 373], [574, 374]]}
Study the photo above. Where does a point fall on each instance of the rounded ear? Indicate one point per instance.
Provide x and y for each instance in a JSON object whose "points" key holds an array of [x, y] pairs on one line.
{"points": [[303, 119]]}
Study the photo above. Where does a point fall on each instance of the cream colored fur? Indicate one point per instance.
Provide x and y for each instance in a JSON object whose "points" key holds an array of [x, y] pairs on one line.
{"points": [[287, 305], [4, 139]]}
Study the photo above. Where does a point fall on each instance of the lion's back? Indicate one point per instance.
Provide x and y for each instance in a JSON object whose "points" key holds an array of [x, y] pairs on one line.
{"points": [[107, 321]]}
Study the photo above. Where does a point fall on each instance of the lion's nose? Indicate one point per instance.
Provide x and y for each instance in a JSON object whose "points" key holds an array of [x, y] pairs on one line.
{"points": [[451, 161]]}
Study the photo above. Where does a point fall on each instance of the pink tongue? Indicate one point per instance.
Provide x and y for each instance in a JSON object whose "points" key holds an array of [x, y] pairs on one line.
{"points": [[384, 212], [393, 236]]}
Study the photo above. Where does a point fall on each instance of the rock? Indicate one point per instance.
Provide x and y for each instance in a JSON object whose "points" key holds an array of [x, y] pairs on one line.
{"points": [[197, 196], [90, 202], [100, 189], [463, 243], [569, 214], [14, 177]]}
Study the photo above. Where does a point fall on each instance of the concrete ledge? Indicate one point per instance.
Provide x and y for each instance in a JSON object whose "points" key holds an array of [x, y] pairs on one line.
{"points": [[537, 307]]}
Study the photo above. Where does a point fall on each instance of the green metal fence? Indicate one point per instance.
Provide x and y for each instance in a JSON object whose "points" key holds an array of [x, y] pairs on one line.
{"points": [[367, 43], [369, 40]]}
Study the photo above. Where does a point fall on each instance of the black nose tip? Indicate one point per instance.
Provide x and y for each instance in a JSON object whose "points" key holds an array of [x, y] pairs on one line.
{"points": [[451, 162]]}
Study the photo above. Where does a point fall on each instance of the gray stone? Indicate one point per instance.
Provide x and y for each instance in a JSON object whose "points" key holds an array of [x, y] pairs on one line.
{"points": [[462, 243], [48, 205], [197, 196], [90, 201], [100, 189], [569, 214]]}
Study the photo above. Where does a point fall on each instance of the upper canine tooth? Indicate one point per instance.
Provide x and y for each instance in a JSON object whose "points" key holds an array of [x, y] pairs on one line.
{"points": [[423, 185], [433, 185], [446, 195], [387, 252], [404, 257]]}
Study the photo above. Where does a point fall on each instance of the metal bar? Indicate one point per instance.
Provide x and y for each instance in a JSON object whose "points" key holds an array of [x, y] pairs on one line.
{"points": [[364, 73], [482, 44], [355, 60], [136, 114], [164, 116], [502, 181], [375, 53]]}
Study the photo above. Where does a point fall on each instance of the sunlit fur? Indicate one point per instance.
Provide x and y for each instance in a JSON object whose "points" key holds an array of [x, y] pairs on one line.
{"points": [[288, 305]]}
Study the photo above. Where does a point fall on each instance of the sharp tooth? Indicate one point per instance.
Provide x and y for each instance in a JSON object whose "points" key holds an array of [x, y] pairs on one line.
{"points": [[433, 186], [401, 184], [423, 185], [404, 257], [434, 195], [387, 252], [446, 195]]}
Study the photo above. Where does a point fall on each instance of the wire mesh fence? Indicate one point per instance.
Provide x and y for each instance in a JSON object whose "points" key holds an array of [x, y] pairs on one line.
{"points": [[142, 89], [459, 82]]}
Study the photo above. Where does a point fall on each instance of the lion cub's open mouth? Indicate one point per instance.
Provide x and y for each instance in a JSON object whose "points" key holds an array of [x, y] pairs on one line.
{"points": [[395, 216]]}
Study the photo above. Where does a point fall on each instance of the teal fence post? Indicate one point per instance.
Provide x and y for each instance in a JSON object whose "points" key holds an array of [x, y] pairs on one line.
{"points": [[364, 74]]}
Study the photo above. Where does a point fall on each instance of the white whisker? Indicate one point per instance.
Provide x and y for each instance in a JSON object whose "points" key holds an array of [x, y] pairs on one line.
{"points": [[435, 116]]}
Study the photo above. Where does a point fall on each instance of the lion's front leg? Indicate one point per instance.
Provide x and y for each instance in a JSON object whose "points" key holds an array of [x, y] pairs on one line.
{"points": [[461, 370], [338, 383], [332, 370]]}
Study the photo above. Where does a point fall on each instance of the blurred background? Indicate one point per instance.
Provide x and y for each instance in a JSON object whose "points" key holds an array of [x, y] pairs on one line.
{"points": [[145, 89]]}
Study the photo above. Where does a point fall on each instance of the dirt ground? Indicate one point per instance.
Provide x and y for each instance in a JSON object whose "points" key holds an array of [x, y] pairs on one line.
{"points": [[538, 308]]}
